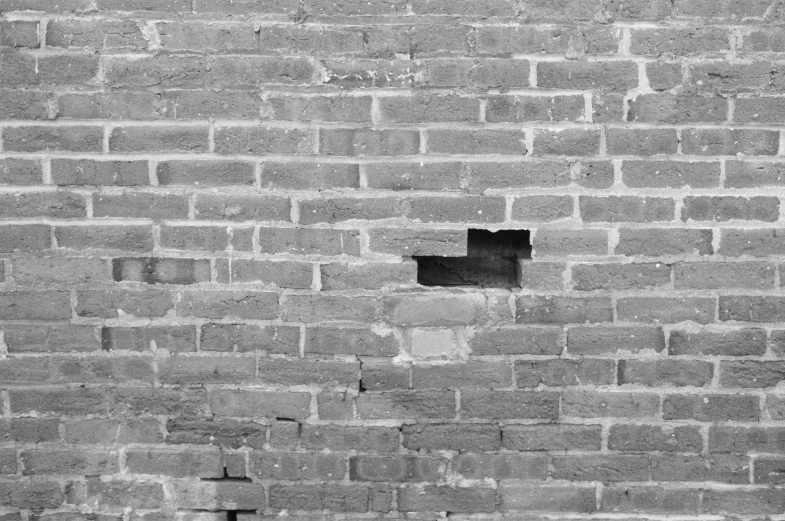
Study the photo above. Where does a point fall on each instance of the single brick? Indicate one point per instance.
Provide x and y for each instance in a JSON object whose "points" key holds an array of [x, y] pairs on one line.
{"points": [[711, 408], [339, 276], [505, 41], [649, 499], [243, 208], [666, 310], [354, 341], [306, 241], [270, 404], [718, 275], [53, 338], [141, 205], [57, 205], [656, 373], [384, 376], [641, 142], [201, 464], [559, 310], [395, 468], [436, 498], [542, 208], [528, 497], [746, 439], [123, 238], [730, 78], [328, 308], [414, 176], [368, 142], [24, 238], [244, 337], [670, 174], [760, 501], [205, 173], [714, 142], [448, 141], [626, 209], [516, 340], [174, 339], [534, 108], [588, 277], [108, 173], [317, 176], [480, 73], [339, 437], [199, 370], [586, 371], [679, 42], [677, 109], [569, 142], [752, 309], [609, 340], [663, 75], [337, 209], [541, 275], [263, 140], [729, 208], [751, 373], [356, 109], [157, 270], [545, 437], [639, 438], [284, 274], [197, 238], [722, 468], [759, 110], [20, 172], [509, 174], [53, 139], [35, 305], [509, 404], [480, 209], [547, 242], [468, 437], [618, 76], [158, 139], [297, 467], [750, 174], [406, 405], [427, 108], [277, 371], [594, 404], [201, 105], [655, 242], [600, 468], [409, 243], [462, 375], [502, 466], [435, 310]]}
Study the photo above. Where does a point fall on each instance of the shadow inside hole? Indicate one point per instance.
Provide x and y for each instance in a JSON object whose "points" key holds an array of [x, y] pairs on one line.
{"points": [[491, 261]]}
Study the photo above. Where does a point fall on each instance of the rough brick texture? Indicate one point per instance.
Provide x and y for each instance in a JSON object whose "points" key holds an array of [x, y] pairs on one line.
{"points": [[209, 306]]}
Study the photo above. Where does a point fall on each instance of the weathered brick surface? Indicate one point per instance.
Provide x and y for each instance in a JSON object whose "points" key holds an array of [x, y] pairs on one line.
{"points": [[209, 305]]}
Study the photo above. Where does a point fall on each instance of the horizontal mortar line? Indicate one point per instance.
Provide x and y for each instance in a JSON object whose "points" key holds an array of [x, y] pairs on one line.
{"points": [[415, 158], [532, 125]]}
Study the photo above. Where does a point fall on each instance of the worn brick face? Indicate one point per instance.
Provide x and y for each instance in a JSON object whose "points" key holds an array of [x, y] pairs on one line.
{"points": [[212, 298]]}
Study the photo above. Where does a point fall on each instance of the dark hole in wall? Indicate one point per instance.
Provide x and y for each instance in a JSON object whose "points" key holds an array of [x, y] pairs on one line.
{"points": [[491, 261]]}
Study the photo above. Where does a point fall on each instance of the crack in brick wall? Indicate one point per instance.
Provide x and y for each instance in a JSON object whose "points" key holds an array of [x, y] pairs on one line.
{"points": [[209, 215]]}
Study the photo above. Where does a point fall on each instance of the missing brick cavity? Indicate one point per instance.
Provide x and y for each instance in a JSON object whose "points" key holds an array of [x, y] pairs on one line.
{"points": [[491, 261]]}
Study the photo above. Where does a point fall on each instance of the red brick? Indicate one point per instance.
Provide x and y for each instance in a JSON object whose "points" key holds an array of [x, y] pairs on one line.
{"points": [[395, 468], [428, 108], [141, 205], [340, 276], [406, 405], [749, 174], [670, 174], [205, 173], [24, 238], [594, 404], [626, 209], [588, 277], [542, 437], [512, 174], [309, 241], [649, 499], [338, 498], [728, 208], [337, 209], [284, 274], [407, 243], [26, 70], [354, 341], [111, 303], [54, 139], [679, 42], [657, 373], [666, 310], [558, 310], [328, 308], [641, 142], [713, 407], [272, 404], [480, 73]]}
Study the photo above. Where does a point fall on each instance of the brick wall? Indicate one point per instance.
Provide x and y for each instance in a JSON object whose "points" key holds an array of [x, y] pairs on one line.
{"points": [[209, 307]]}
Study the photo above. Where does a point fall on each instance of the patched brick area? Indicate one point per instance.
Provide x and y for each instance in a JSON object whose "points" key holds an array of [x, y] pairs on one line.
{"points": [[213, 220]]}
